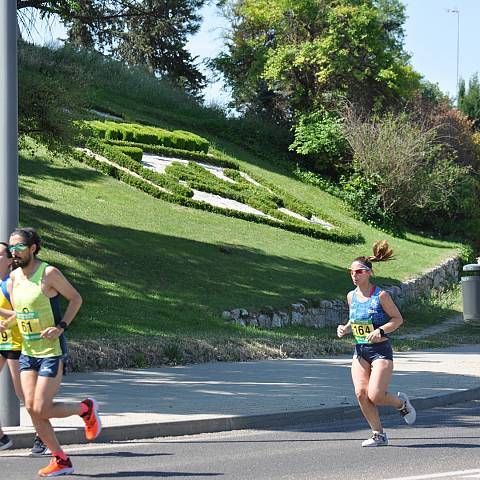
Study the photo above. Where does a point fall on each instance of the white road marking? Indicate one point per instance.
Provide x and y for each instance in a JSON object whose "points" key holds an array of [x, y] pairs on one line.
{"points": [[455, 474]]}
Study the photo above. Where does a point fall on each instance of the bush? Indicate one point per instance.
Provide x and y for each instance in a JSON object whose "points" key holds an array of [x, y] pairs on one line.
{"points": [[319, 136], [402, 175]]}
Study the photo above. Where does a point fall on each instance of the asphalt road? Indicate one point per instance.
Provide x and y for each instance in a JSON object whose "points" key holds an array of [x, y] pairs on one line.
{"points": [[444, 443]]}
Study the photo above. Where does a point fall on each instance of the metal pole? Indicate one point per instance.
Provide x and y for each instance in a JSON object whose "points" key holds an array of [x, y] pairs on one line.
{"points": [[456, 11], [9, 405], [458, 55]]}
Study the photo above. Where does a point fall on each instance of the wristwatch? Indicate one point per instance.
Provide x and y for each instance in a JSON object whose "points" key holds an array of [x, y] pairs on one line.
{"points": [[63, 325], [382, 331]]}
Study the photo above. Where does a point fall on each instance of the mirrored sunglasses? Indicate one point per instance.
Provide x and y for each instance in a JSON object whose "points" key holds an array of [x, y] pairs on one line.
{"points": [[19, 247]]}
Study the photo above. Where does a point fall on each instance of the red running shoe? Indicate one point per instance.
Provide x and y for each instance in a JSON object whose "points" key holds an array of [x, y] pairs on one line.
{"points": [[93, 424], [56, 467]]}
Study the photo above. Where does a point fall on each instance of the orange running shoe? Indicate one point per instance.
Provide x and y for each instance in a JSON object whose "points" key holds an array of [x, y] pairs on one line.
{"points": [[93, 424], [56, 467]]}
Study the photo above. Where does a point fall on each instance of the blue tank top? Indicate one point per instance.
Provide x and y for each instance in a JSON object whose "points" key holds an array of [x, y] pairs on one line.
{"points": [[371, 309]]}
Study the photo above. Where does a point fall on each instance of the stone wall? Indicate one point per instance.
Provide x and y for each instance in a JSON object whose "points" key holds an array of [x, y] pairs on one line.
{"points": [[322, 313]]}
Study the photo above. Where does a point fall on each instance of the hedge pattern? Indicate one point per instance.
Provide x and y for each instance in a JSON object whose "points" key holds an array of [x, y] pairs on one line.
{"points": [[267, 197], [178, 153], [133, 132]]}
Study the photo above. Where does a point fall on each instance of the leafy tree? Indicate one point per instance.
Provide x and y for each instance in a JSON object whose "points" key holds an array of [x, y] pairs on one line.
{"points": [[285, 56], [139, 32], [469, 99]]}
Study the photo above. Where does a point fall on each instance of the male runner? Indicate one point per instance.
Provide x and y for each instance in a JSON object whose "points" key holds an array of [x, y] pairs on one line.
{"points": [[11, 346], [35, 291]]}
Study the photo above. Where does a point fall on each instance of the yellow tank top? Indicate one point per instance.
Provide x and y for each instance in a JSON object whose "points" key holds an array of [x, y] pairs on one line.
{"points": [[35, 312], [9, 339]]}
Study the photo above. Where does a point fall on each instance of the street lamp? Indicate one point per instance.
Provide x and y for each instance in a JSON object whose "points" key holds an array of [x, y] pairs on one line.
{"points": [[9, 407], [456, 11]]}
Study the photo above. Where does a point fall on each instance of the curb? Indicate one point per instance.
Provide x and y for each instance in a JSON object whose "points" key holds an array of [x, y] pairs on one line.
{"points": [[75, 435]]}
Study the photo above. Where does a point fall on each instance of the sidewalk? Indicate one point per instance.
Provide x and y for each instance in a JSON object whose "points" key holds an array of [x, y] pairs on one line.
{"points": [[211, 397]]}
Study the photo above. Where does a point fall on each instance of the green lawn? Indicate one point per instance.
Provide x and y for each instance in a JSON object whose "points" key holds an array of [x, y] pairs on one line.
{"points": [[155, 276], [153, 268]]}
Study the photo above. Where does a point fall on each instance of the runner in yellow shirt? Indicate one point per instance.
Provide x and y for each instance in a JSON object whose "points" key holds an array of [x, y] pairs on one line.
{"points": [[11, 345], [36, 288], [10, 338]]}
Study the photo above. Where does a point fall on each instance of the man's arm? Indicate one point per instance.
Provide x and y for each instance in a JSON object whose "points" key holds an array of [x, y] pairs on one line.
{"points": [[56, 282]]}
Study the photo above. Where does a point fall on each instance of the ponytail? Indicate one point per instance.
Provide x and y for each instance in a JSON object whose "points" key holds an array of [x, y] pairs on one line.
{"points": [[382, 252]]}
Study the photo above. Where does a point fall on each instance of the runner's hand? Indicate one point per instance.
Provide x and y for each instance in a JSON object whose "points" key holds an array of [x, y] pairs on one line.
{"points": [[3, 325], [51, 333], [342, 330], [375, 336]]}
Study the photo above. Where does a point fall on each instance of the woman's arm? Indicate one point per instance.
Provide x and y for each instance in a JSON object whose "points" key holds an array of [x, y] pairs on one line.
{"points": [[392, 311], [342, 330]]}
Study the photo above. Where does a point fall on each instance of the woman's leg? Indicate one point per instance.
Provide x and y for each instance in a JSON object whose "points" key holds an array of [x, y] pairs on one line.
{"points": [[361, 373], [380, 376]]}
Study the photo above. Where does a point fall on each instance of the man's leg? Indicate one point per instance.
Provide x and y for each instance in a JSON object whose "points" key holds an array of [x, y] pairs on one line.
{"points": [[44, 408]]}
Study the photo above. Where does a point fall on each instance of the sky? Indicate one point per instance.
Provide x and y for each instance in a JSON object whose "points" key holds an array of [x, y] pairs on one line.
{"points": [[430, 38]]}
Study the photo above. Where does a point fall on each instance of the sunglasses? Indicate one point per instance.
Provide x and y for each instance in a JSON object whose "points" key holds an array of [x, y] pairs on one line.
{"points": [[19, 247], [358, 271]]}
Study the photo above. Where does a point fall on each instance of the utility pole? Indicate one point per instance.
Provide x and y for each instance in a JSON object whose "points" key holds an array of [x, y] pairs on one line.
{"points": [[9, 406], [456, 11]]}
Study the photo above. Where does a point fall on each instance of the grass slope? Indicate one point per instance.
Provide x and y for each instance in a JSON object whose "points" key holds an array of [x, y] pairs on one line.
{"points": [[155, 276], [151, 271]]}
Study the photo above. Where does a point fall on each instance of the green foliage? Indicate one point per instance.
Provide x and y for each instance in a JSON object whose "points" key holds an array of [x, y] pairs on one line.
{"points": [[469, 99], [362, 194], [403, 176], [151, 33], [432, 93], [324, 183], [49, 94], [144, 134], [134, 153], [467, 254], [319, 136], [267, 198], [115, 154], [295, 55], [178, 152]]}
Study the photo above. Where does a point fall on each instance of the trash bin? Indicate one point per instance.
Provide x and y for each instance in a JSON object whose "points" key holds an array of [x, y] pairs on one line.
{"points": [[471, 293]]}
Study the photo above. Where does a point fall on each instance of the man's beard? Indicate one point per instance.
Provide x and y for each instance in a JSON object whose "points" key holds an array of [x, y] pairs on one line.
{"points": [[18, 262]]}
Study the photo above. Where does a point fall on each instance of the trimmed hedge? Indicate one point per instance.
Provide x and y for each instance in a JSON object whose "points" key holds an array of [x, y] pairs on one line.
{"points": [[199, 178], [134, 132], [115, 155], [134, 153], [178, 153]]}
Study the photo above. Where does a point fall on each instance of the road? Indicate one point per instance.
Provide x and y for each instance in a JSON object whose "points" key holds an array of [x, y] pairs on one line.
{"points": [[444, 443]]}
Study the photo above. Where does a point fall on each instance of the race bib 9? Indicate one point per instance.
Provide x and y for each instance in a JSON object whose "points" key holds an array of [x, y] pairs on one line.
{"points": [[6, 340]]}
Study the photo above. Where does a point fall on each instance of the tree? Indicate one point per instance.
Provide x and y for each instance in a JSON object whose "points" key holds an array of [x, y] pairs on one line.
{"points": [[139, 32], [289, 56], [469, 99]]}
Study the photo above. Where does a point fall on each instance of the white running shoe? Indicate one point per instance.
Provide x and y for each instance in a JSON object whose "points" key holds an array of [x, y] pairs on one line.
{"points": [[407, 411], [376, 440]]}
